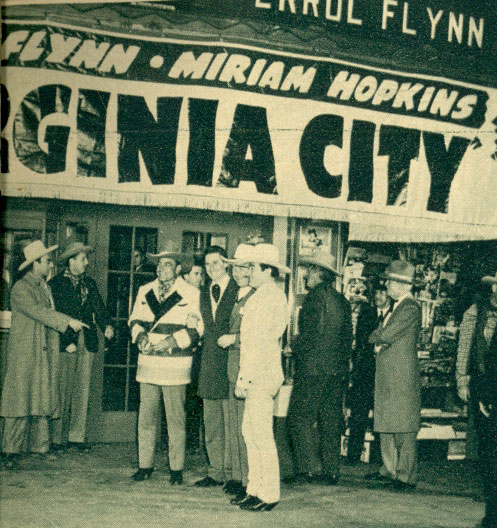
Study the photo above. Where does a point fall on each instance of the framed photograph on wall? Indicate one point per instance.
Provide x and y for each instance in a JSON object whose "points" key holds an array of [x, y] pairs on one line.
{"points": [[313, 239]]}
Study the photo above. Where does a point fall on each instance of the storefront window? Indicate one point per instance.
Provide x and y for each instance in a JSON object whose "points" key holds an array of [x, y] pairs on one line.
{"points": [[196, 241], [128, 269]]}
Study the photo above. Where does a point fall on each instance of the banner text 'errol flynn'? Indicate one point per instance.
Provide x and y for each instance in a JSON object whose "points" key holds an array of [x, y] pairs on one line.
{"points": [[102, 116]]}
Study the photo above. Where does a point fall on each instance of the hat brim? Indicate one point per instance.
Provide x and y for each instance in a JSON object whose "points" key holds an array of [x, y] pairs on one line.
{"points": [[405, 280], [66, 255], [26, 263], [317, 262], [488, 279], [281, 267], [178, 257]]}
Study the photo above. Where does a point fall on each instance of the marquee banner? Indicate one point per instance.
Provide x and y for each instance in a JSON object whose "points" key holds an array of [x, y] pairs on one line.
{"points": [[101, 116]]}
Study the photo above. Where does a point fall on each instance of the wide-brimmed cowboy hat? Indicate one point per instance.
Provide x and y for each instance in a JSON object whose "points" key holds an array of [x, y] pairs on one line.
{"points": [[170, 250], [75, 248], [242, 253], [34, 251], [323, 260], [265, 254], [402, 271], [489, 279]]}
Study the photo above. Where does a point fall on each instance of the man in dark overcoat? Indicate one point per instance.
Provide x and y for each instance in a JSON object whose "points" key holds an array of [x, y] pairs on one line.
{"points": [[476, 375], [30, 398], [322, 352], [397, 403], [216, 304], [76, 294]]}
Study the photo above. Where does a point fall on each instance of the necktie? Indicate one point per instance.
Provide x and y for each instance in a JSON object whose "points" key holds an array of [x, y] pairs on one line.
{"points": [[380, 318], [216, 292], [163, 291]]}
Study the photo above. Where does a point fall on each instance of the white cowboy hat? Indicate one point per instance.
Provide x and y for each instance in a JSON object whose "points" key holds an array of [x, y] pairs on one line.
{"points": [[171, 250], [74, 249], [242, 253], [322, 260], [402, 271], [489, 279], [265, 254], [34, 251]]}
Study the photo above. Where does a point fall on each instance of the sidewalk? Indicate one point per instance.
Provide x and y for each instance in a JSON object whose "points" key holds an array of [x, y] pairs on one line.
{"points": [[94, 490]]}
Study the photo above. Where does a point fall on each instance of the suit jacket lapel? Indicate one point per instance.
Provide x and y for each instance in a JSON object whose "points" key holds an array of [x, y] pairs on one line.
{"points": [[224, 304]]}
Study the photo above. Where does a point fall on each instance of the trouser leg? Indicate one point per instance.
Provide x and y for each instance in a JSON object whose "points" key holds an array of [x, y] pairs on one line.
{"points": [[215, 438], [14, 436], [174, 404], [389, 455], [67, 378], [39, 434], [263, 465], [81, 394], [331, 422], [148, 418], [407, 461], [487, 451], [358, 423], [238, 450], [302, 416]]}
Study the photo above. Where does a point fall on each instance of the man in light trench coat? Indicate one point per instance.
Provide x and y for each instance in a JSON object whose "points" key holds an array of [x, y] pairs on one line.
{"points": [[30, 397], [397, 404]]}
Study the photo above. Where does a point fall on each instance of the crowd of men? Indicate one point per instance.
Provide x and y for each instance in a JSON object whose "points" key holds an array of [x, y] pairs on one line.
{"points": [[228, 333]]}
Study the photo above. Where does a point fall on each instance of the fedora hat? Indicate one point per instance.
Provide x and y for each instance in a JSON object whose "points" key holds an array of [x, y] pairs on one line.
{"points": [[323, 260], [265, 254], [243, 252], [75, 248], [170, 250], [34, 251], [489, 279], [401, 271]]}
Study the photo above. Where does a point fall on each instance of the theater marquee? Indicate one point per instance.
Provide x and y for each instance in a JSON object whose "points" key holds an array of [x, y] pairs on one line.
{"points": [[106, 117]]}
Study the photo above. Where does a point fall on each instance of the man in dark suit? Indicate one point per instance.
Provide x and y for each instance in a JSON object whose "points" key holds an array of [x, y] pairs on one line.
{"points": [[216, 304], [76, 294], [322, 353], [397, 403]]}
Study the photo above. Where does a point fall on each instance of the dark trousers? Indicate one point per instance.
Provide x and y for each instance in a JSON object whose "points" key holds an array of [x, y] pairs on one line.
{"points": [[317, 401], [360, 402], [487, 458]]}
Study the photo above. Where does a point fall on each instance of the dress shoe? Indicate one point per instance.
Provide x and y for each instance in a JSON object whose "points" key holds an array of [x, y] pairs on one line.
{"points": [[327, 480], [58, 448], [233, 487], [208, 482], [176, 477], [80, 446], [259, 506], [398, 485], [377, 477], [243, 498], [142, 474], [288, 480], [11, 461]]}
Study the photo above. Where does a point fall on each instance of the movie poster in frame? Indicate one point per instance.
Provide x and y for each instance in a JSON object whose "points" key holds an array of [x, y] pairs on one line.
{"points": [[314, 239]]}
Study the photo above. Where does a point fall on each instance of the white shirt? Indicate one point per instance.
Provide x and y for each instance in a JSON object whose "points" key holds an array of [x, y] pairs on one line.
{"points": [[222, 283]]}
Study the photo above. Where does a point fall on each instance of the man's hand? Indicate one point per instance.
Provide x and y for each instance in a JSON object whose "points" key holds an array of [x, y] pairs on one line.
{"points": [[226, 340], [109, 332], [463, 392], [192, 321], [166, 345], [142, 342], [485, 410], [76, 325], [240, 392], [71, 348]]}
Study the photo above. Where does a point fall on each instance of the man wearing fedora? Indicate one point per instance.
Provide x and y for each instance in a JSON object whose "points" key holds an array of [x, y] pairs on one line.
{"points": [[476, 377], [322, 352], [76, 294], [30, 398], [165, 324], [264, 320], [397, 402], [217, 299], [231, 342]]}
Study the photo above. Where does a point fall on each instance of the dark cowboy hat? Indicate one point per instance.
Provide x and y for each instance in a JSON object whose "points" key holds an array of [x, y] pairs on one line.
{"points": [[74, 249]]}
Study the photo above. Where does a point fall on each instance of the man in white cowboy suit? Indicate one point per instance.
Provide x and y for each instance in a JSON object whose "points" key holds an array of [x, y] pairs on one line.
{"points": [[165, 324], [397, 402], [76, 294], [29, 397], [264, 320], [236, 406], [322, 353]]}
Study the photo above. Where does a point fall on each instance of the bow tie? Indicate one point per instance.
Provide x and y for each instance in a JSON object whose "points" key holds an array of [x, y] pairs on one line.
{"points": [[216, 292]]}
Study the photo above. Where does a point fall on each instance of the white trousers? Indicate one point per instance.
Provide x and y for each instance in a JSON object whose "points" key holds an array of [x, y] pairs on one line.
{"points": [[257, 429]]}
